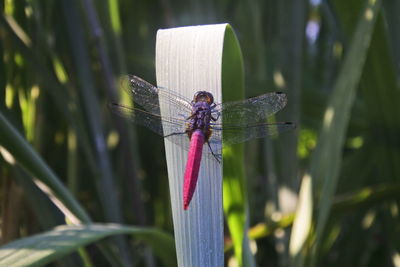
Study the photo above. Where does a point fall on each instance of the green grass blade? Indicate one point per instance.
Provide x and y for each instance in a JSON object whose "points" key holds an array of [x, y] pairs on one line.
{"points": [[47, 80], [44, 248], [326, 160], [91, 107], [366, 198], [234, 189], [303, 220], [392, 20], [47, 214], [24, 154]]}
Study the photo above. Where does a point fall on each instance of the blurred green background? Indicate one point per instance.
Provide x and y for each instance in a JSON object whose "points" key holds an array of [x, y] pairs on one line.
{"points": [[338, 62]]}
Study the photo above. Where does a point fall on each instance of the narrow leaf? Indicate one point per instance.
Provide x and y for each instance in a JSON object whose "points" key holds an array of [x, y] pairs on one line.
{"points": [[20, 151], [234, 185], [44, 248], [326, 160], [302, 222]]}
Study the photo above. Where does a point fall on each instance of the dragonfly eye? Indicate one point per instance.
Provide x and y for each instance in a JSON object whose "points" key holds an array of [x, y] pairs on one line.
{"points": [[203, 96]]}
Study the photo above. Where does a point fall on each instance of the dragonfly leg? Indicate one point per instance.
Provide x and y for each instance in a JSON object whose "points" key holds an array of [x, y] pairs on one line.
{"points": [[215, 119], [212, 152], [171, 134]]}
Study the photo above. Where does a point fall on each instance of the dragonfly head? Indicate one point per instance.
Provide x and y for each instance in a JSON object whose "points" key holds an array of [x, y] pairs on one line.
{"points": [[203, 96]]}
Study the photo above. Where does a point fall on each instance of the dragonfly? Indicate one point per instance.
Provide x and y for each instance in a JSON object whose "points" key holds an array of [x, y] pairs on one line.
{"points": [[200, 125]]}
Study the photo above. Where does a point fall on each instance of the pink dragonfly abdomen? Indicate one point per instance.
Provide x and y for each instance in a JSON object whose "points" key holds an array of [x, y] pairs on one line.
{"points": [[192, 166]]}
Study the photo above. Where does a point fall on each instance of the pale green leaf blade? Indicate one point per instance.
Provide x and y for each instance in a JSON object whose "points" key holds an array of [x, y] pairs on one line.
{"points": [[234, 189], [44, 248]]}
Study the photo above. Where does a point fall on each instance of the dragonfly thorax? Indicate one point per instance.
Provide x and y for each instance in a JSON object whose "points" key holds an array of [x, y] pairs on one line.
{"points": [[200, 119], [201, 115]]}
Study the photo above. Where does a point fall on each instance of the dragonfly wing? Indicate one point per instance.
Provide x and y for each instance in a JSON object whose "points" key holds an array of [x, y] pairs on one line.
{"points": [[163, 126], [234, 134], [149, 96], [170, 128], [252, 110]]}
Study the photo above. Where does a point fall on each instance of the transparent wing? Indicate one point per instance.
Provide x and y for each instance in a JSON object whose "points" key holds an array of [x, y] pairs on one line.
{"points": [[164, 126], [252, 110], [149, 96], [172, 129], [241, 119], [233, 134]]}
